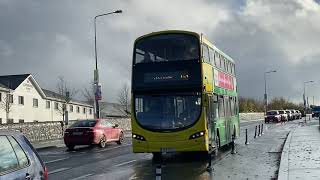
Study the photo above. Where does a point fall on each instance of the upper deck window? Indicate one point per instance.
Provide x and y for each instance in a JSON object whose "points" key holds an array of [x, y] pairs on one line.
{"points": [[167, 47]]}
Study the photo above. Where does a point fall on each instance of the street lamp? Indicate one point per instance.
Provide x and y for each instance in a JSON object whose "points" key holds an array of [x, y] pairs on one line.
{"points": [[265, 90], [304, 97], [96, 73]]}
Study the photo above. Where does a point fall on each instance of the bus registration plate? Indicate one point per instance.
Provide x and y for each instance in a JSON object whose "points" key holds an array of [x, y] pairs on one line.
{"points": [[167, 150]]}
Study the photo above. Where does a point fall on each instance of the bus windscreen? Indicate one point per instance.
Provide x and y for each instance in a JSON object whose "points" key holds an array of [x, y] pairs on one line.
{"points": [[167, 47]]}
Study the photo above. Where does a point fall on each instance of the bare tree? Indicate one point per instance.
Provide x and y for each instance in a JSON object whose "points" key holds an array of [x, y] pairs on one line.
{"points": [[6, 103], [88, 94], [64, 94], [124, 99]]}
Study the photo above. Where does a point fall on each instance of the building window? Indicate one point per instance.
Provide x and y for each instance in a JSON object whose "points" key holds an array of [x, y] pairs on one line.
{"points": [[78, 109], [21, 100], [48, 104], [10, 121], [90, 111], [64, 107], [0, 120], [0, 96], [35, 102], [71, 108], [84, 110], [21, 120], [56, 106], [35, 121], [10, 97]]}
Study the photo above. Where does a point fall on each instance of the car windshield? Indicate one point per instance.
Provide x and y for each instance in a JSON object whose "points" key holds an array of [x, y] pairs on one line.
{"points": [[84, 123], [167, 112], [272, 113], [288, 112], [281, 112]]}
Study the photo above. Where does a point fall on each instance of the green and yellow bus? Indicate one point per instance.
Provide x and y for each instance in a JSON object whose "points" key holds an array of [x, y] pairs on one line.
{"points": [[184, 94]]}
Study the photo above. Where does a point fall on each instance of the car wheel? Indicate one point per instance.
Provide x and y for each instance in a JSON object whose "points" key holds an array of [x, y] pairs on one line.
{"points": [[70, 147], [102, 142], [121, 137]]}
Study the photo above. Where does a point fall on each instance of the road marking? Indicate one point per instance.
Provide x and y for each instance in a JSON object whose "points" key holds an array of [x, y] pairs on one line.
{"points": [[107, 149], [128, 162], [81, 177], [56, 160], [58, 170]]}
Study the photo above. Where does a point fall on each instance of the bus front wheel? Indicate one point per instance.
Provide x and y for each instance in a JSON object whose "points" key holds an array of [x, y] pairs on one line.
{"points": [[156, 157]]}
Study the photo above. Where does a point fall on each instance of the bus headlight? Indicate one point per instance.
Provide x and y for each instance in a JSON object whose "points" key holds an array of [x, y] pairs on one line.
{"points": [[138, 137], [197, 135]]}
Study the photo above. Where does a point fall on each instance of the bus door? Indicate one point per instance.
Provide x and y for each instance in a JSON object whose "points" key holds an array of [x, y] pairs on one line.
{"points": [[212, 110], [227, 118]]}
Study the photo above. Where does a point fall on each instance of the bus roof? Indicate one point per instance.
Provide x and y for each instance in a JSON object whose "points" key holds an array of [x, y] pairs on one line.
{"points": [[198, 35]]}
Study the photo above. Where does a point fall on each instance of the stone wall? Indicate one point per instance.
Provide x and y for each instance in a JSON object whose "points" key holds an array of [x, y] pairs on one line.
{"points": [[43, 131], [37, 131]]}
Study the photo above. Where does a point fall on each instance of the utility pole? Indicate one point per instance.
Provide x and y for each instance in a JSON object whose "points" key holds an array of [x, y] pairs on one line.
{"points": [[265, 90], [96, 72]]}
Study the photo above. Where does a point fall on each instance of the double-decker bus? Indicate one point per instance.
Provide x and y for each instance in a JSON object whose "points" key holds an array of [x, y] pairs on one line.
{"points": [[184, 94]]}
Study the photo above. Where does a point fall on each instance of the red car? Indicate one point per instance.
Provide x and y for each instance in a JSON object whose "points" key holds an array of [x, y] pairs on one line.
{"points": [[92, 131]]}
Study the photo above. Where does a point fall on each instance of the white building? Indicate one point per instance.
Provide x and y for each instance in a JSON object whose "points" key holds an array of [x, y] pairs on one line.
{"points": [[26, 101]]}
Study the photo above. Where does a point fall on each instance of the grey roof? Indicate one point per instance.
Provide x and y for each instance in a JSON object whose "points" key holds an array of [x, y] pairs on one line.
{"points": [[111, 110], [51, 94], [2, 86], [12, 81]]}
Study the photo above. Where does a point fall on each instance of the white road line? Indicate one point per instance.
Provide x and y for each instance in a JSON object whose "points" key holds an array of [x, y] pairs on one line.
{"points": [[56, 160], [81, 177], [125, 163], [107, 149], [58, 170]]}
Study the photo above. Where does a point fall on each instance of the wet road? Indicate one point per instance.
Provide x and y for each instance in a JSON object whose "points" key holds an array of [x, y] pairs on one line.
{"points": [[118, 161]]}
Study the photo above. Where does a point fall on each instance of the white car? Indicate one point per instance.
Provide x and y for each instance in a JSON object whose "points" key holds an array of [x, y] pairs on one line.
{"points": [[284, 115]]}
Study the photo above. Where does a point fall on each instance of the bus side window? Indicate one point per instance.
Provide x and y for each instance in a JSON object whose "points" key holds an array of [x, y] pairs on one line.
{"points": [[234, 69], [226, 64], [215, 109], [236, 106], [227, 106], [232, 106], [216, 59], [221, 106], [221, 62], [205, 53], [211, 53]]}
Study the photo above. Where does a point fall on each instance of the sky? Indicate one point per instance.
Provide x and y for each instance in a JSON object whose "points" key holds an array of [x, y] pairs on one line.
{"points": [[56, 38]]}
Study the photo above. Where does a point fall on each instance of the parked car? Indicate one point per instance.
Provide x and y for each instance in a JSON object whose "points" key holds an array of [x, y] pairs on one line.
{"points": [[290, 115], [273, 116], [92, 131], [295, 114], [18, 159], [299, 114], [284, 116]]}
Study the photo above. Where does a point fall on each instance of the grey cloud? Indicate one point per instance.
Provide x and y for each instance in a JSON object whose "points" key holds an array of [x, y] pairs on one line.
{"points": [[52, 38]]}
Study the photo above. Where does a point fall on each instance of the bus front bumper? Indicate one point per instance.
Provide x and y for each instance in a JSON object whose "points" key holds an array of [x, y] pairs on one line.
{"points": [[190, 145]]}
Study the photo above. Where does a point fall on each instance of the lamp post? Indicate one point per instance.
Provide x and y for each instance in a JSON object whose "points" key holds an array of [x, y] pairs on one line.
{"points": [[304, 98], [96, 73], [265, 90]]}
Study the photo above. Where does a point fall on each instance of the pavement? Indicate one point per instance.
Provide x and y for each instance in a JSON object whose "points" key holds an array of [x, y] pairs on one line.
{"points": [[300, 158]]}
